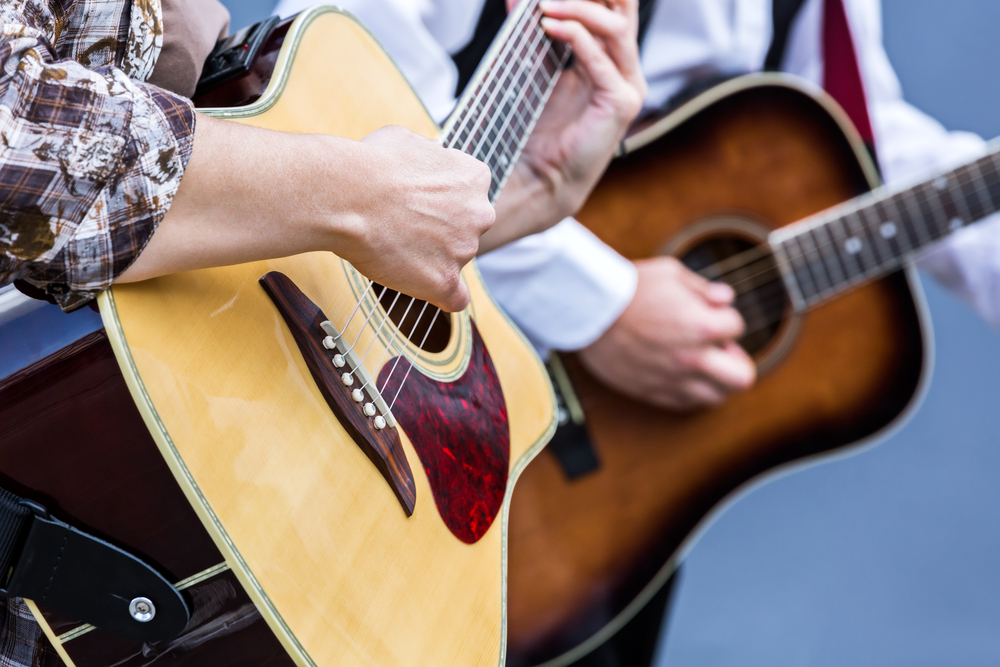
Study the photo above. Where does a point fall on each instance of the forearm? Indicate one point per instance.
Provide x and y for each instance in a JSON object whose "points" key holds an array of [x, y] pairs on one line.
{"points": [[404, 211], [525, 206], [251, 194]]}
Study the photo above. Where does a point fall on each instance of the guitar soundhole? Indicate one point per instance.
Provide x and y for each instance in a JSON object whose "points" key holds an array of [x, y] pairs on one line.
{"points": [[751, 270], [440, 332]]}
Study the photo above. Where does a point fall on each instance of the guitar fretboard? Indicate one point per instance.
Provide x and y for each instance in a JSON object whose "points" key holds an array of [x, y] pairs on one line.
{"points": [[872, 235], [502, 102]]}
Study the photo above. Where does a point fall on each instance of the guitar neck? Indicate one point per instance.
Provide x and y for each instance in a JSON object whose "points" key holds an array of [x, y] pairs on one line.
{"points": [[873, 235], [505, 97]]}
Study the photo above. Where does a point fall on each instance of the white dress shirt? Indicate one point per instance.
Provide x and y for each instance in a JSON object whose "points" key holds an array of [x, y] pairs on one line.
{"points": [[564, 287]]}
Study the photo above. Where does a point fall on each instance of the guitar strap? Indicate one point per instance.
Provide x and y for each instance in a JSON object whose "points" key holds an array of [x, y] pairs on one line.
{"points": [[67, 570]]}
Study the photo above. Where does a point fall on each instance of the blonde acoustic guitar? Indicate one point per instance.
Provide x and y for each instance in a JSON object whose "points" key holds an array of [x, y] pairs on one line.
{"points": [[304, 520]]}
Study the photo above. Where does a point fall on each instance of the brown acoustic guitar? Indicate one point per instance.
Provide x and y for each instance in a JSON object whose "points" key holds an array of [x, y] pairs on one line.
{"points": [[742, 183], [320, 467]]}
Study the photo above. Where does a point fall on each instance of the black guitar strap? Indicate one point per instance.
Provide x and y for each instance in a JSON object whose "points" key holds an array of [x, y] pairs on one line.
{"points": [[60, 567]]}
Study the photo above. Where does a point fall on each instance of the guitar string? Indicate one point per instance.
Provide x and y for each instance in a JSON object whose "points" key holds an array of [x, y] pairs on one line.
{"points": [[831, 217], [506, 49], [379, 330], [356, 306], [761, 253], [364, 324], [392, 340], [774, 274], [507, 74], [869, 229], [402, 354], [823, 258], [420, 350]]}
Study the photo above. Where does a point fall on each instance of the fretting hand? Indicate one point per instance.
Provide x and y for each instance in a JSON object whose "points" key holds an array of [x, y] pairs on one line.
{"points": [[586, 117], [675, 344]]}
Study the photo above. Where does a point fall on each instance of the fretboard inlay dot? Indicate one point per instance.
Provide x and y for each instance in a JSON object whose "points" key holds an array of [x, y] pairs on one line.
{"points": [[887, 230], [853, 245], [956, 224]]}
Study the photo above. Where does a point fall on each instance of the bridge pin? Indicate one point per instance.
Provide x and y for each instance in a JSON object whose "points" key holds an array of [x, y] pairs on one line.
{"points": [[379, 423], [347, 379], [369, 409], [338, 360], [358, 395]]}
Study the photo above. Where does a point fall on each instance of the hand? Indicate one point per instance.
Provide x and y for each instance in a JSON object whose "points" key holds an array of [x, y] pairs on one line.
{"points": [[423, 217], [405, 211], [583, 122], [675, 345]]}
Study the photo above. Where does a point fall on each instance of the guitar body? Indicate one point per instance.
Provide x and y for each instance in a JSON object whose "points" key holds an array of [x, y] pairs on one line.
{"points": [[222, 463], [752, 155]]}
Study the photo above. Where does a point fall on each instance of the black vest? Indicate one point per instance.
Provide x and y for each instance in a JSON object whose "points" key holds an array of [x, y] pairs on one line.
{"points": [[495, 12]]}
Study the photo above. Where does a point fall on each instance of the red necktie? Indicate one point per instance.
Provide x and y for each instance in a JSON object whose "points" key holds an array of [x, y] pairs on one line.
{"points": [[841, 71]]}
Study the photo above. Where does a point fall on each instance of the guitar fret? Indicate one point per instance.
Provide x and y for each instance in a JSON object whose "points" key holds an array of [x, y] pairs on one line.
{"points": [[936, 208], [814, 264], [853, 262], [877, 246], [868, 258], [823, 255], [961, 207], [504, 102], [917, 218], [832, 261], [800, 267], [993, 186], [906, 232]]}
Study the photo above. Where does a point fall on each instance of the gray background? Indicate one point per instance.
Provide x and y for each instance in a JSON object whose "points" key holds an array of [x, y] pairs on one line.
{"points": [[890, 557]]}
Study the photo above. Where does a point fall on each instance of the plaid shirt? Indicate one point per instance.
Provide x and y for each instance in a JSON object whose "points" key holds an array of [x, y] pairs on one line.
{"points": [[90, 157]]}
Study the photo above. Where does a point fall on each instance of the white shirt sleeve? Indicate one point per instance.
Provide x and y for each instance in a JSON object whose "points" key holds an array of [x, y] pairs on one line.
{"points": [[563, 287], [910, 145]]}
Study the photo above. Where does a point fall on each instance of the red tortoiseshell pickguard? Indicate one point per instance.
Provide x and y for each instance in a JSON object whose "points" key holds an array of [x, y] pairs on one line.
{"points": [[460, 432]]}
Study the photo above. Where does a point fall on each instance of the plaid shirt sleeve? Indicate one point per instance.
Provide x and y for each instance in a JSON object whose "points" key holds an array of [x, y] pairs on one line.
{"points": [[90, 157]]}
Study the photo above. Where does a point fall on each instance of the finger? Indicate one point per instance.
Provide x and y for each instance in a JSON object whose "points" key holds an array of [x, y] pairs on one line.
{"points": [[728, 368], [721, 324], [457, 299], [693, 394], [590, 55], [716, 293], [617, 30]]}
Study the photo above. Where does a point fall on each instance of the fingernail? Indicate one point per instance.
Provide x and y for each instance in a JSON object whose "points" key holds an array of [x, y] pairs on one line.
{"points": [[548, 22], [722, 292]]}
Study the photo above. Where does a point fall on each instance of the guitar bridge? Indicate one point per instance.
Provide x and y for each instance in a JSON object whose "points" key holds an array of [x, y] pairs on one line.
{"points": [[340, 380], [347, 360]]}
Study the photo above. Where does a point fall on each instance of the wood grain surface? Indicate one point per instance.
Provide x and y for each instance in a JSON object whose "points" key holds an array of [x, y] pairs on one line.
{"points": [[308, 525], [304, 320], [582, 552]]}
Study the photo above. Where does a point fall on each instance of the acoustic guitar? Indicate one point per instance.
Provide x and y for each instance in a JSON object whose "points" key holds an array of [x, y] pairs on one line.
{"points": [[745, 184], [322, 467]]}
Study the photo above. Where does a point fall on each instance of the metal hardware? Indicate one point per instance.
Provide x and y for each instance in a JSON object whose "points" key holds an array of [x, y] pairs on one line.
{"points": [[142, 609]]}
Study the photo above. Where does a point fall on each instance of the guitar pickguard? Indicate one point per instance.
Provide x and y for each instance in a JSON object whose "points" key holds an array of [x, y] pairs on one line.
{"points": [[461, 434]]}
